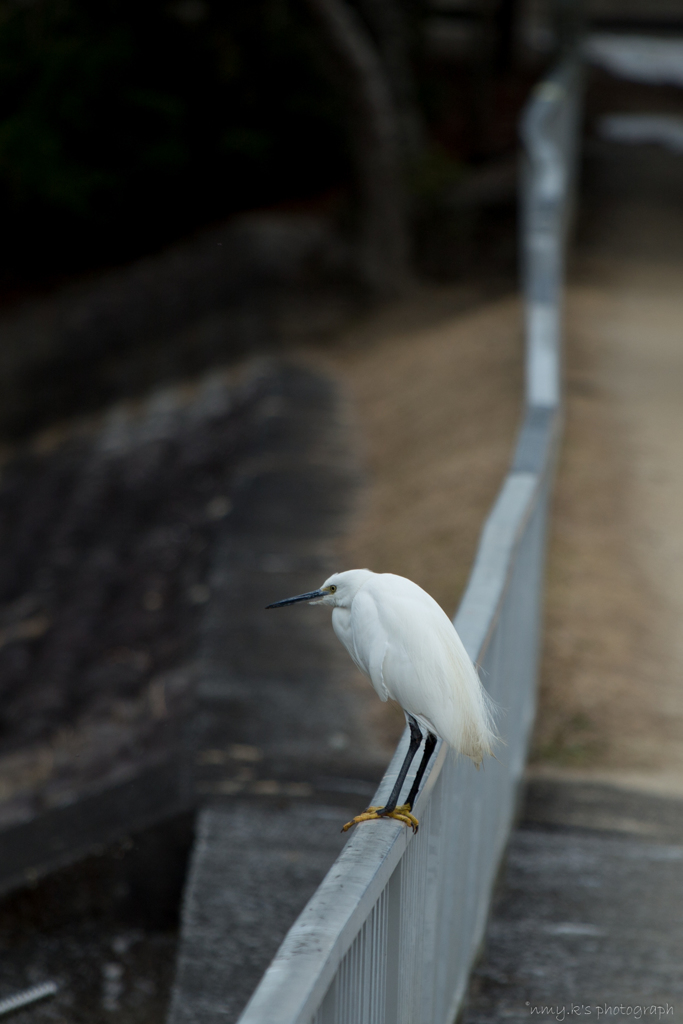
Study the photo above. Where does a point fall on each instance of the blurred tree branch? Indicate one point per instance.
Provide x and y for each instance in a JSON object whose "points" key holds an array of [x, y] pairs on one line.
{"points": [[379, 138], [390, 26]]}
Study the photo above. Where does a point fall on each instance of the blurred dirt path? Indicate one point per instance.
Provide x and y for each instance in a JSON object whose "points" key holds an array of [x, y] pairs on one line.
{"points": [[436, 389], [436, 392], [612, 680]]}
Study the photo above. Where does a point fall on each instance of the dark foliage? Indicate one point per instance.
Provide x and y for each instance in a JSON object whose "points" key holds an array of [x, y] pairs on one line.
{"points": [[125, 124]]}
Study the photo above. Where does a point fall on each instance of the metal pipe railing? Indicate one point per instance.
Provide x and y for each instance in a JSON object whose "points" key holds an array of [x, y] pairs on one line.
{"points": [[391, 933]]}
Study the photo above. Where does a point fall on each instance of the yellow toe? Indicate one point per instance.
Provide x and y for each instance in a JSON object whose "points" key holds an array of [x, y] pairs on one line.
{"points": [[369, 815], [401, 813]]}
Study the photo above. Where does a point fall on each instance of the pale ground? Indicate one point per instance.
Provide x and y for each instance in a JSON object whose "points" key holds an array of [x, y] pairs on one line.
{"points": [[436, 392], [612, 702]]}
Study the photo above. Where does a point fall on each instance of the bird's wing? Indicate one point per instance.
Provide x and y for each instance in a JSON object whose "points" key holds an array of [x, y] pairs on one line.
{"points": [[370, 641], [427, 669], [381, 623]]}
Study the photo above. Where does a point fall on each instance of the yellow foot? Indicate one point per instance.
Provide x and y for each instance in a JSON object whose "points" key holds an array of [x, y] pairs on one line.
{"points": [[401, 813]]}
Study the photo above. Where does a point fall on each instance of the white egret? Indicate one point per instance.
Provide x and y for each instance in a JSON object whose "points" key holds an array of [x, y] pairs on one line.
{"points": [[408, 647]]}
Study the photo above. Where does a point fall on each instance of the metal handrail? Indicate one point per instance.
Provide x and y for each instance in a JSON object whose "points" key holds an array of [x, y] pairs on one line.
{"points": [[391, 933]]}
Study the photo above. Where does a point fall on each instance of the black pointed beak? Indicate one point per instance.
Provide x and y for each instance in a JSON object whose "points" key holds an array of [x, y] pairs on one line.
{"points": [[301, 597]]}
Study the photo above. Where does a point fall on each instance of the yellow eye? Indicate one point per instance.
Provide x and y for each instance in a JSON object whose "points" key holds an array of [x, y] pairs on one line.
{"points": [[332, 589]]}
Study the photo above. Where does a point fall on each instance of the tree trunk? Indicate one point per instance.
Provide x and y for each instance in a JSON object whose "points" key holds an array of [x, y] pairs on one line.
{"points": [[390, 25], [376, 138]]}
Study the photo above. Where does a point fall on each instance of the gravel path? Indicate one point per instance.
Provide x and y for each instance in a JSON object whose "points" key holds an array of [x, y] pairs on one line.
{"points": [[612, 702]]}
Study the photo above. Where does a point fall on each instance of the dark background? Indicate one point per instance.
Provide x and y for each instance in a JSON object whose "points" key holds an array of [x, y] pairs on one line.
{"points": [[126, 125]]}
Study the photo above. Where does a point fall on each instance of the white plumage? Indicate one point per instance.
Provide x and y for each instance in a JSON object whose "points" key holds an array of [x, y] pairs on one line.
{"points": [[402, 640], [408, 647]]}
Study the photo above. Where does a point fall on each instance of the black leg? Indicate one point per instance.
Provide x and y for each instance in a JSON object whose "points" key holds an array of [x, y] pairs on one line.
{"points": [[430, 743], [415, 741]]}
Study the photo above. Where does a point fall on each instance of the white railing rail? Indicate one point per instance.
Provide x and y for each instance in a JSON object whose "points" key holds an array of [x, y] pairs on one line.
{"points": [[391, 933]]}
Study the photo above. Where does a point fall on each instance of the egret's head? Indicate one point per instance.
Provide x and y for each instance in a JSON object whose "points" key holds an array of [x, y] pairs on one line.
{"points": [[337, 592]]}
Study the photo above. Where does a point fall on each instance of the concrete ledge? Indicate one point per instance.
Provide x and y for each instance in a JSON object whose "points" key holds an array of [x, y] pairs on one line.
{"points": [[253, 870], [596, 806]]}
